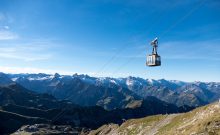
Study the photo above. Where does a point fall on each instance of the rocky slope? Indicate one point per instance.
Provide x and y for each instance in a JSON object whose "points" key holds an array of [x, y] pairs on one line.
{"points": [[20, 106], [201, 121], [46, 129]]}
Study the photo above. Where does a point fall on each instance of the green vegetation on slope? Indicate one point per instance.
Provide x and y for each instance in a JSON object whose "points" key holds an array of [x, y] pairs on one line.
{"points": [[203, 120]]}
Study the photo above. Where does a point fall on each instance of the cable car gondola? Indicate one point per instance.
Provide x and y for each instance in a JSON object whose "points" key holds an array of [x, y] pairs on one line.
{"points": [[154, 59]]}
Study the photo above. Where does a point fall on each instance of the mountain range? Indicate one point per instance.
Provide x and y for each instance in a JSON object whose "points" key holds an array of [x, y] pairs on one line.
{"points": [[85, 103], [112, 93]]}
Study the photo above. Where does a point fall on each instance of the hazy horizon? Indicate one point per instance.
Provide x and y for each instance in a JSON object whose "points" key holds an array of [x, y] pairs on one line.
{"points": [[96, 76]]}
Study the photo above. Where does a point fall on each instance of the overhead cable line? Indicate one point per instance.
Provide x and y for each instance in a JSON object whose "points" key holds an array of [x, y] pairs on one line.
{"points": [[165, 32], [125, 46]]}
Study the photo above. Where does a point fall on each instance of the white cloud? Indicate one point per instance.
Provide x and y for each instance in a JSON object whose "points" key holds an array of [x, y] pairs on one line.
{"points": [[7, 35], [27, 57], [108, 74], [6, 27], [16, 70], [26, 51]]}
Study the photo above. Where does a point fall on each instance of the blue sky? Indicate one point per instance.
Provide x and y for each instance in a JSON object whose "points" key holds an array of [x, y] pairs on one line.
{"points": [[111, 38]]}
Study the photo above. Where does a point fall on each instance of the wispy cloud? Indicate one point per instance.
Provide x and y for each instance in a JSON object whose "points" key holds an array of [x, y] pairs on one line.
{"points": [[28, 51], [7, 35], [200, 50], [109, 74], [194, 50], [5, 32], [16, 70], [27, 57], [13, 47], [6, 27]]}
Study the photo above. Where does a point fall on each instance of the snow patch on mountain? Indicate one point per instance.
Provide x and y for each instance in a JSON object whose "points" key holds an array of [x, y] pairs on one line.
{"points": [[40, 78], [14, 79]]}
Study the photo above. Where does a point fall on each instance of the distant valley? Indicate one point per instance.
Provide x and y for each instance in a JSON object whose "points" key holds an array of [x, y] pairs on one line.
{"points": [[19, 106]]}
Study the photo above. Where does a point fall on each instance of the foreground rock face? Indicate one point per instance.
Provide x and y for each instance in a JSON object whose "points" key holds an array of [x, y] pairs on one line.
{"points": [[201, 121], [45, 129]]}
